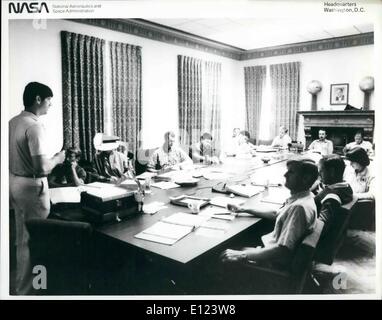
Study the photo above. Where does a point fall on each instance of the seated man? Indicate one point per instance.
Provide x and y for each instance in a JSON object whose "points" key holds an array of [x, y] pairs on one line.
{"points": [[203, 151], [360, 176], [322, 145], [110, 165], [294, 220], [333, 192], [244, 146], [169, 156], [68, 173], [283, 139], [359, 142]]}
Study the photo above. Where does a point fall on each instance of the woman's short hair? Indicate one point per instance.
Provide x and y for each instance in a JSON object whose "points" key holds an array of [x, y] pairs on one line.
{"points": [[358, 155], [206, 136], [34, 89]]}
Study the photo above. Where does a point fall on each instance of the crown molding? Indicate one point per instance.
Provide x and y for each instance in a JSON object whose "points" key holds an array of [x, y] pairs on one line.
{"points": [[153, 31]]}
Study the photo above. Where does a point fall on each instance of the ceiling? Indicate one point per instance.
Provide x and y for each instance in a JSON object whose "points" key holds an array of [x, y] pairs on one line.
{"points": [[257, 33]]}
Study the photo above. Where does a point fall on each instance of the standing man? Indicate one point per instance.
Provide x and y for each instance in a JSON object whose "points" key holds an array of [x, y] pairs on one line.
{"points": [[29, 167], [322, 145]]}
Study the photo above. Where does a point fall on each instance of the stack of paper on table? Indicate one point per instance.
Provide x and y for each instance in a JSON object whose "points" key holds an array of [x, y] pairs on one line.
{"points": [[171, 229], [146, 174], [221, 201], [165, 185], [245, 190], [109, 193]]}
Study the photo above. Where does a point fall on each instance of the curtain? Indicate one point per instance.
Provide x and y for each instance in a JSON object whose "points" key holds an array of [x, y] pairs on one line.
{"points": [[285, 89], [211, 115], [83, 90], [189, 99], [254, 78], [126, 91], [199, 85]]}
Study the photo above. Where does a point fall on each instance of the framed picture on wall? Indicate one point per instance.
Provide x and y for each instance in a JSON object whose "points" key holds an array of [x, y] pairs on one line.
{"points": [[339, 93]]}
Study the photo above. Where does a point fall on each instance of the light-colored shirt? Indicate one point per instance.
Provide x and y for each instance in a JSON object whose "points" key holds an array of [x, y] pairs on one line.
{"points": [[168, 158], [362, 183], [281, 142], [325, 147], [26, 139], [294, 221], [366, 145]]}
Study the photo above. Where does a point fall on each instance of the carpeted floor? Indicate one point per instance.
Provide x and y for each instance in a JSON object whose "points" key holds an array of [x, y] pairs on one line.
{"points": [[354, 269]]}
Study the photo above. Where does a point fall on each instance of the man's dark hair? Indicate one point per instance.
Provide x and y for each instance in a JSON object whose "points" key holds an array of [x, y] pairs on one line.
{"points": [[75, 151], [335, 163], [34, 89], [246, 134], [206, 136], [306, 167], [359, 132]]}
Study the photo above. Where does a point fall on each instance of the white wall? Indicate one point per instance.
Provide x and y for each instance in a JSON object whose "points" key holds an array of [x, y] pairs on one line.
{"points": [[348, 65], [35, 55]]}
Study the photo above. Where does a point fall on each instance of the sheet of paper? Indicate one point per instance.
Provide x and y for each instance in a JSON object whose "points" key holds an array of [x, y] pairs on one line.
{"points": [[128, 182], [277, 196], [146, 174], [109, 193], [186, 219], [217, 213], [245, 190], [163, 232], [165, 185], [153, 207], [65, 195], [216, 175], [221, 201]]}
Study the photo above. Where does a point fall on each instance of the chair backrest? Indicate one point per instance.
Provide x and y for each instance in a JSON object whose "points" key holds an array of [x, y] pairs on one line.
{"points": [[143, 158], [333, 237], [64, 248], [303, 259], [363, 216]]}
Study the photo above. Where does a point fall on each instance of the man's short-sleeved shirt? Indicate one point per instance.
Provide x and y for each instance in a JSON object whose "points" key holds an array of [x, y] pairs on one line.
{"points": [[366, 145], [281, 142], [324, 147], [26, 139], [163, 158], [294, 221]]}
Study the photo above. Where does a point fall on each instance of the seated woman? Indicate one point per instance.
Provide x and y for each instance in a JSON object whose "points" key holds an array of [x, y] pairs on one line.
{"points": [[68, 173], [203, 151], [360, 176]]}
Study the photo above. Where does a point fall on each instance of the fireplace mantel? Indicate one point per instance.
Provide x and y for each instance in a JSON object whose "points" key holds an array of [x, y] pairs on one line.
{"points": [[338, 121]]}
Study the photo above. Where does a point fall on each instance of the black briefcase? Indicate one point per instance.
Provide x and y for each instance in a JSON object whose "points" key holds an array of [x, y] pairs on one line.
{"points": [[99, 210]]}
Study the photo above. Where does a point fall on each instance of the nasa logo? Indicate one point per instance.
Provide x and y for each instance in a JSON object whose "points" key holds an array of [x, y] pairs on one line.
{"points": [[30, 7]]}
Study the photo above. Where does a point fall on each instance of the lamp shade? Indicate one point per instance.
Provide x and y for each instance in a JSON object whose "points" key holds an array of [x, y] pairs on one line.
{"points": [[367, 84], [314, 87]]}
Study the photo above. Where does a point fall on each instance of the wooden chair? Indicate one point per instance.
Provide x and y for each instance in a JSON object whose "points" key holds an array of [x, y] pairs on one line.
{"points": [[290, 281], [64, 248]]}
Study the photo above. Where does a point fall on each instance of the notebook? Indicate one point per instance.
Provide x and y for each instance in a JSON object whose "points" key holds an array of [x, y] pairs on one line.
{"points": [[171, 229]]}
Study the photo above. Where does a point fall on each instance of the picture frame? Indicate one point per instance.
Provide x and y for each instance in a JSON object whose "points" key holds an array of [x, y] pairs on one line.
{"points": [[339, 93]]}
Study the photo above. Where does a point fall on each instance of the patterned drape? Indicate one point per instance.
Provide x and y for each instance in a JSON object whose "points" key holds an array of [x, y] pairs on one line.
{"points": [[211, 114], [285, 89], [189, 99], [254, 78], [83, 90], [126, 90]]}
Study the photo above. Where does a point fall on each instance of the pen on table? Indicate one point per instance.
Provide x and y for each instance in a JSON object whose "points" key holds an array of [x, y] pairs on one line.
{"points": [[269, 185], [222, 213]]}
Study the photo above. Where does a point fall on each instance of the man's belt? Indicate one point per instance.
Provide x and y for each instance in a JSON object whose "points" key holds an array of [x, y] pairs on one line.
{"points": [[34, 176]]}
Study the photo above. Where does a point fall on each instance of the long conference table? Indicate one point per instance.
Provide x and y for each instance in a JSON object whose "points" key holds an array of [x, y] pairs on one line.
{"points": [[187, 257], [194, 245]]}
